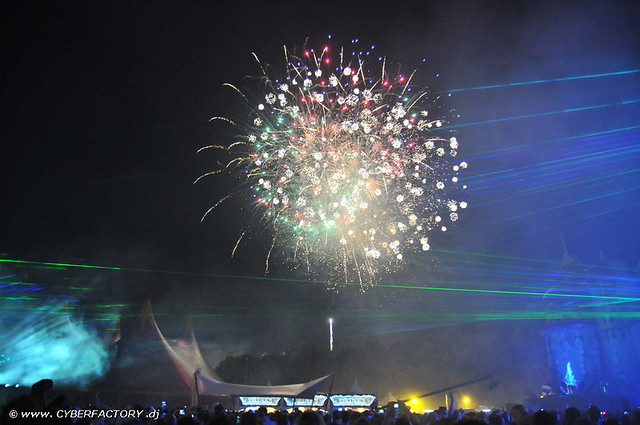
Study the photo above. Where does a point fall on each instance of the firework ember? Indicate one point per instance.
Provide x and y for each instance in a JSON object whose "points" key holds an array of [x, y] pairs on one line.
{"points": [[348, 165]]}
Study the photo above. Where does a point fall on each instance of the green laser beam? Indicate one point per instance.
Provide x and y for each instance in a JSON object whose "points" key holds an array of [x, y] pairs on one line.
{"points": [[380, 285], [456, 253], [43, 263], [504, 292], [501, 258]]}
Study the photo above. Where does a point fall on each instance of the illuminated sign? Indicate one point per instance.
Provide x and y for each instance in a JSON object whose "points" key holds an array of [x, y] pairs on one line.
{"points": [[346, 400], [352, 400], [316, 401], [259, 401]]}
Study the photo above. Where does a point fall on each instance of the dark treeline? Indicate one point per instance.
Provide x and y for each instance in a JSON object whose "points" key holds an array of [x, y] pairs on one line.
{"points": [[414, 363]]}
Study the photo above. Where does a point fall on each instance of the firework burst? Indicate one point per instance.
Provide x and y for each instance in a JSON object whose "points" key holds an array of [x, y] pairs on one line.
{"points": [[348, 167]]}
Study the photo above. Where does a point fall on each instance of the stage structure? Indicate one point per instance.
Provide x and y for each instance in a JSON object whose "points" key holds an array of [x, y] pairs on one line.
{"points": [[597, 357], [201, 379], [319, 401]]}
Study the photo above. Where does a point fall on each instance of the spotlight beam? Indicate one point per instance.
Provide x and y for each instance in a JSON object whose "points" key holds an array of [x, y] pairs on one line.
{"points": [[551, 80], [540, 114]]}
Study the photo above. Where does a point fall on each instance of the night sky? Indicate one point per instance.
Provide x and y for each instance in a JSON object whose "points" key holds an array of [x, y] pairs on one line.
{"points": [[106, 103]]}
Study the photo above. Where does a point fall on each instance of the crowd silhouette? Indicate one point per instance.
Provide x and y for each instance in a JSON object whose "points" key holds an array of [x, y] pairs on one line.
{"points": [[36, 401]]}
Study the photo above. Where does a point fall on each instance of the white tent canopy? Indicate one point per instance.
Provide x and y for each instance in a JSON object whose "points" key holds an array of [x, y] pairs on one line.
{"points": [[186, 355], [355, 387], [389, 398], [306, 390]]}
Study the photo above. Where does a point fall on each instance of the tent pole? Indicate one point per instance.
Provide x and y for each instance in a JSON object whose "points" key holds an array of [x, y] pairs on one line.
{"points": [[196, 391], [329, 402]]}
